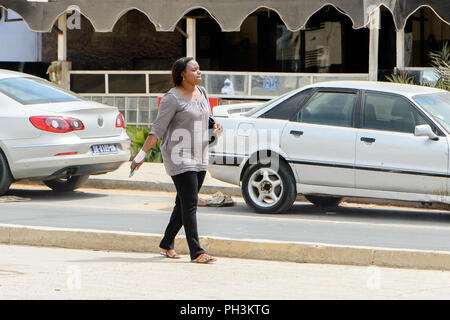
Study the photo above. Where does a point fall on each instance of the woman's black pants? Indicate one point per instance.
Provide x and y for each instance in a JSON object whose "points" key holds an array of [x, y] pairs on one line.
{"points": [[184, 213]]}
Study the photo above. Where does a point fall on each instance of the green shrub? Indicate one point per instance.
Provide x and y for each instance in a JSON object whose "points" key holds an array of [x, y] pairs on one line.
{"points": [[138, 137]]}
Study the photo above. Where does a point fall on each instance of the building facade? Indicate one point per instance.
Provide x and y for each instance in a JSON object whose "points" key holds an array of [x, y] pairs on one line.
{"points": [[263, 59], [328, 43]]}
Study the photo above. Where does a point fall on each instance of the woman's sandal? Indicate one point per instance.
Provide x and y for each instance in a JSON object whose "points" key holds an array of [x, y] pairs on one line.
{"points": [[204, 258], [169, 253]]}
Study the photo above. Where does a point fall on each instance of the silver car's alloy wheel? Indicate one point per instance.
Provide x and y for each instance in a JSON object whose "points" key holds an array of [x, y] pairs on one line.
{"points": [[265, 187], [5, 175]]}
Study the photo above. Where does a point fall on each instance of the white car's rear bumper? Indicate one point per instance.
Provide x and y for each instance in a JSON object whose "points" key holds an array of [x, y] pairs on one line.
{"points": [[226, 168]]}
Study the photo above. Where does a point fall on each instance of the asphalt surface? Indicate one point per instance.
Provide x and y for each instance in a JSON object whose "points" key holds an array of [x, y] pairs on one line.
{"points": [[148, 212]]}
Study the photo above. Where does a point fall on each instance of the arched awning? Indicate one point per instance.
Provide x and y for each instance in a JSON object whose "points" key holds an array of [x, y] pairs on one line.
{"points": [[229, 14], [403, 9]]}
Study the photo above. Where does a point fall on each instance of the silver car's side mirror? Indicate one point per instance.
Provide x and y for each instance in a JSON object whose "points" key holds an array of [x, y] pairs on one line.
{"points": [[424, 130]]}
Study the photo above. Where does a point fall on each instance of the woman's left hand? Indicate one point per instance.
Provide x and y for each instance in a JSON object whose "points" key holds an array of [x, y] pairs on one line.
{"points": [[218, 129]]}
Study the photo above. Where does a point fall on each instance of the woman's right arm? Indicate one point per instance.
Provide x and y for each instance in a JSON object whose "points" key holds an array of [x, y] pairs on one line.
{"points": [[166, 112], [148, 144]]}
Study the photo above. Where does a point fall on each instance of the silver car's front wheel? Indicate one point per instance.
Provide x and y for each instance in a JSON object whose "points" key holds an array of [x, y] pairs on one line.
{"points": [[267, 190]]}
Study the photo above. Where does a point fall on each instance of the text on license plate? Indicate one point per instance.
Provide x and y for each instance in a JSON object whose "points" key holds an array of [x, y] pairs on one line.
{"points": [[104, 148]]}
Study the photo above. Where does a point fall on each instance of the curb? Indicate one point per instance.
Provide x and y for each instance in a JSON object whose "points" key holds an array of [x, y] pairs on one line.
{"points": [[154, 186], [98, 183], [224, 247]]}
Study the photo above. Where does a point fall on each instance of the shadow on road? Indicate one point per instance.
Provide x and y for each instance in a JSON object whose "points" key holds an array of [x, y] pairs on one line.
{"points": [[370, 212], [45, 195], [344, 212]]}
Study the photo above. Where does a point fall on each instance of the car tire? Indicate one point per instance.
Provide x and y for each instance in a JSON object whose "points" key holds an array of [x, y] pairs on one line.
{"points": [[5, 175], [66, 185], [321, 201], [258, 177]]}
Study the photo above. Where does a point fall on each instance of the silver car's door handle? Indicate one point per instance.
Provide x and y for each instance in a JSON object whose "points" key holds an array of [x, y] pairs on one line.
{"points": [[366, 139], [296, 133]]}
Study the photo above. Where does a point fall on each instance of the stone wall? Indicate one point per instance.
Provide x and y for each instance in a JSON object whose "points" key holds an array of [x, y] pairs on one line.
{"points": [[133, 45]]}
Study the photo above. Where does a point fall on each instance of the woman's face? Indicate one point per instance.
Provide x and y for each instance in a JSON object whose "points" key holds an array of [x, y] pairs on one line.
{"points": [[192, 73]]}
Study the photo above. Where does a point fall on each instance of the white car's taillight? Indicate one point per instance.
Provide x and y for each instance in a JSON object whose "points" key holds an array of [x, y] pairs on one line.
{"points": [[57, 124], [120, 121]]}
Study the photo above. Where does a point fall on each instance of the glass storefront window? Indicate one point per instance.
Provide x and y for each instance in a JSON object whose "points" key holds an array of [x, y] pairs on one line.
{"points": [[108, 101], [144, 110], [225, 84], [160, 83], [153, 108], [273, 85], [87, 83], [119, 102], [127, 83], [97, 99], [131, 109]]}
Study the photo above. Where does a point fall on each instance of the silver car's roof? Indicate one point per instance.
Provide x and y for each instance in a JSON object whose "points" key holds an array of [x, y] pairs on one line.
{"points": [[391, 87], [13, 74]]}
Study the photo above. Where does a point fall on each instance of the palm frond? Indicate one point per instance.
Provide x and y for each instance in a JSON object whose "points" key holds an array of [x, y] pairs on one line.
{"points": [[401, 76], [440, 61]]}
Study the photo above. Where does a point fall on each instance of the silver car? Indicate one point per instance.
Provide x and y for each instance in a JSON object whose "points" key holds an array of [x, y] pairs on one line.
{"points": [[49, 134]]}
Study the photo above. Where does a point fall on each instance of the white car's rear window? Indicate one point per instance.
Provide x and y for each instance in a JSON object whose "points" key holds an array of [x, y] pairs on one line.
{"points": [[34, 91]]}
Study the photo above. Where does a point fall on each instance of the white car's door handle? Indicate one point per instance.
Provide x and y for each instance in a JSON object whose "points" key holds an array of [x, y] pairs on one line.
{"points": [[366, 139], [296, 133]]}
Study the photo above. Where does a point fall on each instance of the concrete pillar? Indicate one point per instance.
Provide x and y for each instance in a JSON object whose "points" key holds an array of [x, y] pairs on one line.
{"points": [[401, 49], [191, 37], [61, 68], [62, 37], [374, 25]]}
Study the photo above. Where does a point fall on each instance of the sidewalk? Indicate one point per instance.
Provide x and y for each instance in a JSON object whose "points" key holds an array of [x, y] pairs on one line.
{"points": [[65, 274]]}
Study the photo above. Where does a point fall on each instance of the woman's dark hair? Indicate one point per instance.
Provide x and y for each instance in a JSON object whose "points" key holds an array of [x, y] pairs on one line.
{"points": [[177, 68]]}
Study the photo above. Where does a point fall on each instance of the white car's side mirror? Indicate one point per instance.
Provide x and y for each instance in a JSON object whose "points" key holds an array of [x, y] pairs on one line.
{"points": [[424, 130]]}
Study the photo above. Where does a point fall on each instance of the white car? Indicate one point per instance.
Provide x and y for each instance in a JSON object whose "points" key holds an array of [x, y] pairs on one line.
{"points": [[49, 134], [337, 139]]}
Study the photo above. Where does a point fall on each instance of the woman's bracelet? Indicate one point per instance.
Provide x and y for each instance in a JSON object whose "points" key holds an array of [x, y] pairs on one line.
{"points": [[140, 156]]}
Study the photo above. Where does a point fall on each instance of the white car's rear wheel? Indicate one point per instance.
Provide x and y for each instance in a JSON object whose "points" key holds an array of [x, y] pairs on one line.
{"points": [[66, 185], [269, 191], [5, 175]]}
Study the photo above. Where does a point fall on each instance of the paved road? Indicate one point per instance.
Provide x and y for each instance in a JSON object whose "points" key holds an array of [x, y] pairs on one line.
{"points": [[136, 211]]}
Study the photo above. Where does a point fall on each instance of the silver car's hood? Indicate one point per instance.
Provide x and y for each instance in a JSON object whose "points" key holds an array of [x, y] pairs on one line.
{"points": [[99, 120]]}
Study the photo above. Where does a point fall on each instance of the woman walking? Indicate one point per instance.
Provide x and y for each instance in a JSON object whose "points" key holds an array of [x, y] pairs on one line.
{"points": [[182, 123]]}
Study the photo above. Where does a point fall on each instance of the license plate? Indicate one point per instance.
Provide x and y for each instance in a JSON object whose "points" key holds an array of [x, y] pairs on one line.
{"points": [[104, 148]]}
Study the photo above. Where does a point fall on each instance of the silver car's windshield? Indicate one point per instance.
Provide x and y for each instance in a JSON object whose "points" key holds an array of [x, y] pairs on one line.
{"points": [[34, 91], [255, 110], [438, 105]]}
